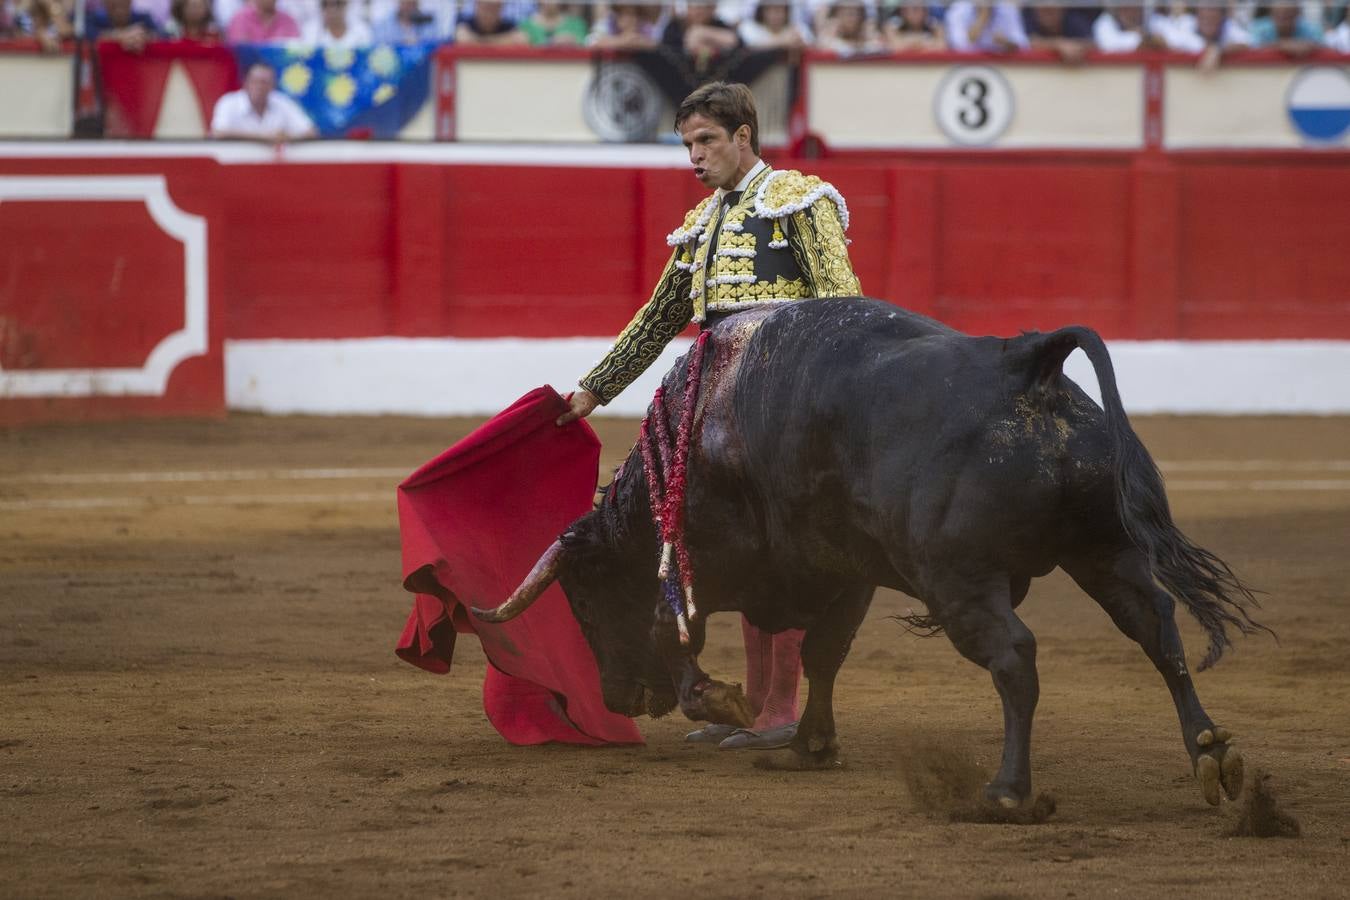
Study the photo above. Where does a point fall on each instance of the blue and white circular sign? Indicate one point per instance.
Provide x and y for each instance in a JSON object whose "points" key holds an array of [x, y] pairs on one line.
{"points": [[1319, 103]]}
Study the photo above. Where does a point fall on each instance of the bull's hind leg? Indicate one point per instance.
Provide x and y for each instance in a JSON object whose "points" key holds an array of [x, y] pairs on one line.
{"points": [[824, 647], [979, 619], [1145, 612]]}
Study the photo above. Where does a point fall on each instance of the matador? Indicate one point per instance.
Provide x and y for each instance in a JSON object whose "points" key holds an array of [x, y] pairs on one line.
{"points": [[764, 236]]}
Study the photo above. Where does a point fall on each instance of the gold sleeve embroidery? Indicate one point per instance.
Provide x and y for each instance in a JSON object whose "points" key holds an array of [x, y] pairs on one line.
{"points": [[653, 327], [817, 240]]}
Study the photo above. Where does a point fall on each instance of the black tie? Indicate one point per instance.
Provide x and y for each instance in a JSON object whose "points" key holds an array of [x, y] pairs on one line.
{"points": [[729, 199]]}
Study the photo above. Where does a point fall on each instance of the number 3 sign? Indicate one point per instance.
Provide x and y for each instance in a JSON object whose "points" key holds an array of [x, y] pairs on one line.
{"points": [[973, 105]]}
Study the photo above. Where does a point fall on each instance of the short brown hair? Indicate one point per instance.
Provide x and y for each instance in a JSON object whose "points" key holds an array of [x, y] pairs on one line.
{"points": [[729, 105]]}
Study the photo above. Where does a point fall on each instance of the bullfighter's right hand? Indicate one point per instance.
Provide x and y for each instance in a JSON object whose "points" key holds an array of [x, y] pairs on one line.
{"points": [[581, 404]]}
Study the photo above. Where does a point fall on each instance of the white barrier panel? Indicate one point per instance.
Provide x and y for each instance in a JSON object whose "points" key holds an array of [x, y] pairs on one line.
{"points": [[36, 95], [864, 104], [418, 376], [480, 377], [1268, 106], [554, 100], [505, 100]]}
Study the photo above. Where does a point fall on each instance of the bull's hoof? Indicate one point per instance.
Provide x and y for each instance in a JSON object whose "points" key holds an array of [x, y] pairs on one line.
{"points": [[1002, 796], [1218, 766], [1207, 773], [1232, 770], [1004, 805], [801, 753]]}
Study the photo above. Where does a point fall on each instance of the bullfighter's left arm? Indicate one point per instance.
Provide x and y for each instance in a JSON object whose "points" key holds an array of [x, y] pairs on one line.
{"points": [[654, 326], [816, 235], [815, 217]]}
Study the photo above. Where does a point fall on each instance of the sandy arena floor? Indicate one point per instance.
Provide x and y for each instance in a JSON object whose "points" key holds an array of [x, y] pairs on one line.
{"points": [[198, 697]]}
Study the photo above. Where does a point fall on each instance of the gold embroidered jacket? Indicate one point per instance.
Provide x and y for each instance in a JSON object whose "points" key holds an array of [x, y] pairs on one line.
{"points": [[783, 240]]}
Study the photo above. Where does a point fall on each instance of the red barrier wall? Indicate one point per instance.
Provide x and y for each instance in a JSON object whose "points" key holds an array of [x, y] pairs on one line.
{"points": [[1140, 246], [1137, 246], [90, 283]]}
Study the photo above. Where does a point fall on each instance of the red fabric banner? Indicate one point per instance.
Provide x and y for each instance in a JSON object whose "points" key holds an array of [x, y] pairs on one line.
{"points": [[473, 522], [133, 83]]}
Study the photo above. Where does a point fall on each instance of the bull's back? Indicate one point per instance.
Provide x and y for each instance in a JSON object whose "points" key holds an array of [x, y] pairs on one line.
{"points": [[904, 431]]}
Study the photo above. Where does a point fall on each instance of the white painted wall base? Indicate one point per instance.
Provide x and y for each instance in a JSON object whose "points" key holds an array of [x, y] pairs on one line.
{"points": [[451, 376]]}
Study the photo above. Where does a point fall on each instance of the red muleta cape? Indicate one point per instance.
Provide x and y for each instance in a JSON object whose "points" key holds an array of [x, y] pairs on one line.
{"points": [[473, 523]]}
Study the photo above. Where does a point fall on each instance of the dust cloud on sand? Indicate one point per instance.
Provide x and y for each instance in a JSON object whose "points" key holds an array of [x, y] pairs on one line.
{"points": [[946, 782]]}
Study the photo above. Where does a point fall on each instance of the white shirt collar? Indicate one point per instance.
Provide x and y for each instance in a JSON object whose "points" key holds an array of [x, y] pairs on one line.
{"points": [[750, 176]]}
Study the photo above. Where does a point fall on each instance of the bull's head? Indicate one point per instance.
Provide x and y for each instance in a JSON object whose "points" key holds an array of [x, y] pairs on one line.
{"points": [[613, 594]]}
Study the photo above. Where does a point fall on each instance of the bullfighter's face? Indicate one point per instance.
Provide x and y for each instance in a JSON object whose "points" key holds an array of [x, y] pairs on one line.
{"points": [[714, 153]]}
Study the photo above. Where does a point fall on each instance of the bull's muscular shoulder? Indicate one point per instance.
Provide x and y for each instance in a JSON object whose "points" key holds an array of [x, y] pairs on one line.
{"points": [[695, 221], [787, 191]]}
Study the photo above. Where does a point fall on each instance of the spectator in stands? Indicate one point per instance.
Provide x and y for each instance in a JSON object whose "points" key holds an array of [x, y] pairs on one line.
{"points": [[1286, 29], [336, 29], [259, 112], [700, 34], [1065, 32], [624, 28], [1338, 38], [985, 25], [1210, 32], [46, 21], [9, 19], [117, 22], [551, 25], [771, 25], [911, 25], [849, 30], [191, 20], [486, 25], [1122, 28], [157, 10], [407, 24], [260, 22]]}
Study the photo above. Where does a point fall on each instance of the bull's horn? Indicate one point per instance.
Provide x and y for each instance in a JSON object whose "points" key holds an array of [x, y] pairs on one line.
{"points": [[541, 576]]}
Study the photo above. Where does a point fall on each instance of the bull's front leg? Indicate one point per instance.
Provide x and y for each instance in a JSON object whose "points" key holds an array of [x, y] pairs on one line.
{"points": [[824, 647]]}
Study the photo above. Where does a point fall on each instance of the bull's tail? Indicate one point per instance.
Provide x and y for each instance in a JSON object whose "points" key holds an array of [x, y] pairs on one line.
{"points": [[1200, 580]]}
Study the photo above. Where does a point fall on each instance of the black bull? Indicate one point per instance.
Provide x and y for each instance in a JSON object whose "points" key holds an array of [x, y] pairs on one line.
{"points": [[847, 444]]}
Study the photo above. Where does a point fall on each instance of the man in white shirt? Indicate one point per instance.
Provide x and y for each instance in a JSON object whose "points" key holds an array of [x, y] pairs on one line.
{"points": [[1122, 28], [991, 26], [259, 112]]}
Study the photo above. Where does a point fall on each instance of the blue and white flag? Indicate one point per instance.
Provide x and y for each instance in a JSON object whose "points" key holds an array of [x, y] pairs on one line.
{"points": [[373, 91]]}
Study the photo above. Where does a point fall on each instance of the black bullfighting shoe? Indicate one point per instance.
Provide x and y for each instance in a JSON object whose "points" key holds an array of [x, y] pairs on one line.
{"points": [[769, 739]]}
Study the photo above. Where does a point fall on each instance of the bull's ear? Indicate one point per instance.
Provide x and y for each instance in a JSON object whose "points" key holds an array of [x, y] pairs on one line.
{"points": [[544, 573]]}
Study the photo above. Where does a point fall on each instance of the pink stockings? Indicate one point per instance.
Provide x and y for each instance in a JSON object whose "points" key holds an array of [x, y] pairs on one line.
{"points": [[773, 667]]}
